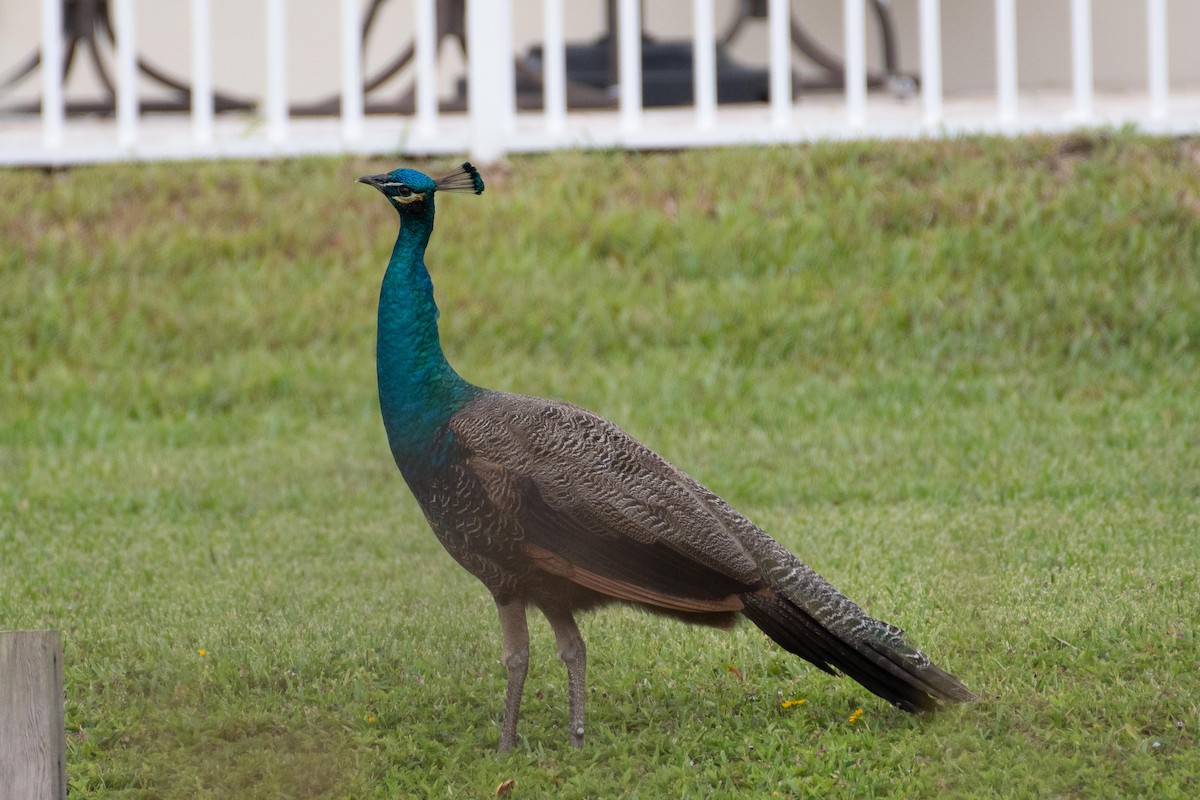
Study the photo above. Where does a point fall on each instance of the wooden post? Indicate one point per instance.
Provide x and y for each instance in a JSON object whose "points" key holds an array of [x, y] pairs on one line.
{"points": [[32, 727]]}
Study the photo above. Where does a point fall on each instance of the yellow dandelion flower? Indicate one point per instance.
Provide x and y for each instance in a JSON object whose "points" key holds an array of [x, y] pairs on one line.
{"points": [[370, 719], [855, 716], [790, 703], [201, 652]]}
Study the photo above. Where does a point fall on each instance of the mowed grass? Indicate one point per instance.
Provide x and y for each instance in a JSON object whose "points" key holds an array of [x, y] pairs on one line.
{"points": [[960, 379]]}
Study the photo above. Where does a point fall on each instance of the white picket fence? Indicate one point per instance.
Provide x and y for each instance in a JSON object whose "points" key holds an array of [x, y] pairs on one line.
{"points": [[492, 125]]}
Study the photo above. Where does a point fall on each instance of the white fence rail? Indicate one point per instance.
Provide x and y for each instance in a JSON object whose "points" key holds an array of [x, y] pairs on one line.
{"points": [[491, 124]]}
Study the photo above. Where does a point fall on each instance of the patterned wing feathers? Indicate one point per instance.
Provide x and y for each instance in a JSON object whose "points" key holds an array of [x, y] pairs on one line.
{"points": [[577, 486]]}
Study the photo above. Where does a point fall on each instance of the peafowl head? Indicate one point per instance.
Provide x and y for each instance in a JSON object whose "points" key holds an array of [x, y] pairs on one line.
{"points": [[409, 190]]}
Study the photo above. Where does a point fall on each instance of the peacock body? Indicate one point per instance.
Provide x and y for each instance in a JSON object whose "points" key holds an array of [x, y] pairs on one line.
{"points": [[552, 506]]}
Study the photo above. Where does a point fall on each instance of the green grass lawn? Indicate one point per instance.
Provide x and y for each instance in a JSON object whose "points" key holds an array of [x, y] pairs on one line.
{"points": [[960, 379]]}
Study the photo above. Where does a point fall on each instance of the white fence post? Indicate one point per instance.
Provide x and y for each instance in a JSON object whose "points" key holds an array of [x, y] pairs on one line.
{"points": [[352, 82], [127, 95], [1006, 61], [1156, 11], [629, 57], [704, 64], [202, 92], [425, 22], [277, 100], [52, 61], [855, 31], [554, 67], [1081, 58], [931, 62], [491, 93], [779, 18]]}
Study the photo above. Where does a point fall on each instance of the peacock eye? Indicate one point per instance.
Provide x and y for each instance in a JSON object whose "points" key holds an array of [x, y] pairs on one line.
{"points": [[404, 191]]}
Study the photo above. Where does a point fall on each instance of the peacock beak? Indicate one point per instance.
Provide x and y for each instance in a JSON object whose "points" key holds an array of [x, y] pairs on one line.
{"points": [[377, 181]]}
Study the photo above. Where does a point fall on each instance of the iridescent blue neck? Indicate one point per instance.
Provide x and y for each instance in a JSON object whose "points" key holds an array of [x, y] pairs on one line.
{"points": [[418, 389]]}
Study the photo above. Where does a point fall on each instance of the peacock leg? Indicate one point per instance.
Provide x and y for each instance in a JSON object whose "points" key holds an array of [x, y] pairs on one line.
{"points": [[516, 660], [573, 652]]}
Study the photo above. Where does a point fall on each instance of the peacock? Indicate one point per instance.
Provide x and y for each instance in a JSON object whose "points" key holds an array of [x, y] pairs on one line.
{"points": [[552, 506]]}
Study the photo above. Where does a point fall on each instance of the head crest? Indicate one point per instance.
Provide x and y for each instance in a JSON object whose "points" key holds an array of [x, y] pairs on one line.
{"points": [[464, 179]]}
